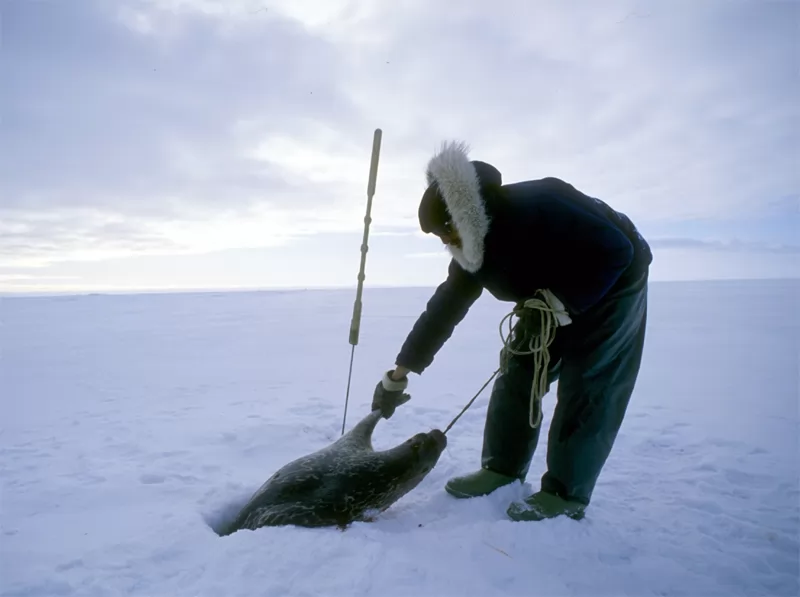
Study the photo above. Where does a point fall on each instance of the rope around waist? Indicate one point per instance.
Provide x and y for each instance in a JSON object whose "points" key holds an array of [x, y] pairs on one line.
{"points": [[552, 315]]}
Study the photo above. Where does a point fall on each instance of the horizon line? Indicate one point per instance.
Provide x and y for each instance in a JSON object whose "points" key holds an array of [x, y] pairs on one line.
{"points": [[310, 288]]}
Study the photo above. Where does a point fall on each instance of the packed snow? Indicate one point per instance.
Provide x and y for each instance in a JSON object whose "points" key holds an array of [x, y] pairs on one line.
{"points": [[132, 424]]}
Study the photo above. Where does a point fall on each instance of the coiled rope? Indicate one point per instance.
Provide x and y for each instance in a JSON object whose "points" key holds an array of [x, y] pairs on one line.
{"points": [[538, 345]]}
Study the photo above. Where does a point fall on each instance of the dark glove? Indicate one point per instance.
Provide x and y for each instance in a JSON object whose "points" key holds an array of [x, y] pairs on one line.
{"points": [[389, 394]]}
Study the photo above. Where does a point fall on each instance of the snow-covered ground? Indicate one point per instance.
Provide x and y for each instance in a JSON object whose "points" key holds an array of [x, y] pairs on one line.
{"points": [[130, 422]]}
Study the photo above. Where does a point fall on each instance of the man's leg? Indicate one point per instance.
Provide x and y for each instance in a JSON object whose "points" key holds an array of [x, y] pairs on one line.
{"points": [[509, 441], [599, 371]]}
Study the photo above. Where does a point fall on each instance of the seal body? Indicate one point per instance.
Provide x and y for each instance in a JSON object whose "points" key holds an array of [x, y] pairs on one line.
{"points": [[345, 482]]}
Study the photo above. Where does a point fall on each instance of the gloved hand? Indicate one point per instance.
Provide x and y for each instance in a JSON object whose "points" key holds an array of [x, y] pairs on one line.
{"points": [[389, 394]]}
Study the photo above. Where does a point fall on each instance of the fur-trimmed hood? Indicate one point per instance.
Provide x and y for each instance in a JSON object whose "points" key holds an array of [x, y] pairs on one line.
{"points": [[460, 182]]}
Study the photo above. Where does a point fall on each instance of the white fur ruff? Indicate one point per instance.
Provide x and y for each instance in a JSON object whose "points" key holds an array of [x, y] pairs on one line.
{"points": [[459, 186]]}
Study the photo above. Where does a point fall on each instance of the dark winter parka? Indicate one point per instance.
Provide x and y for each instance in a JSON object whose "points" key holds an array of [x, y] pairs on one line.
{"points": [[516, 239]]}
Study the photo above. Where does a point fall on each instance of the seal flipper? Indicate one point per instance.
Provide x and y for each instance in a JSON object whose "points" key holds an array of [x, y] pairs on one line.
{"points": [[360, 436]]}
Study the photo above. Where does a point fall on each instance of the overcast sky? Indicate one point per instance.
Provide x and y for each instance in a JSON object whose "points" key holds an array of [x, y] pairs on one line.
{"points": [[200, 144]]}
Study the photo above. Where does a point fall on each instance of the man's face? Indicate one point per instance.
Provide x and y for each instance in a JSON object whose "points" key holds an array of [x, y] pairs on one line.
{"points": [[449, 235]]}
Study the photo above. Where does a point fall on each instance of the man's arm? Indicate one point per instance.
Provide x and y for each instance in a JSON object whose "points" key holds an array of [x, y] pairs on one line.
{"points": [[399, 373], [444, 311]]}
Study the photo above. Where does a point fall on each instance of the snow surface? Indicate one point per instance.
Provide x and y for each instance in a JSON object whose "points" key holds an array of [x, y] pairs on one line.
{"points": [[131, 423]]}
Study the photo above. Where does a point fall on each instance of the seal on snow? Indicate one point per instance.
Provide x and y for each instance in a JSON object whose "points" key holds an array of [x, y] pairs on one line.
{"points": [[344, 482]]}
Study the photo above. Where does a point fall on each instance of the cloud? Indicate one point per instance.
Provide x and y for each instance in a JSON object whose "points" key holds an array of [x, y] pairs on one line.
{"points": [[188, 126], [427, 255], [122, 136], [104, 115], [736, 246]]}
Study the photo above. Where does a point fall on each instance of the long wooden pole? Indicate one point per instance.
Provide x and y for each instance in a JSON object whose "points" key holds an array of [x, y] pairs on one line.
{"points": [[355, 322]]}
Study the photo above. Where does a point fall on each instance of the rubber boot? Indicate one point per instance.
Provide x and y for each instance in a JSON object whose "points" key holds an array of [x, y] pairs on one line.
{"points": [[479, 483], [543, 505]]}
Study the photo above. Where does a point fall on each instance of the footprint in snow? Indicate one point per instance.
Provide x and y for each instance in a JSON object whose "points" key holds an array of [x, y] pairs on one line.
{"points": [[312, 406]]}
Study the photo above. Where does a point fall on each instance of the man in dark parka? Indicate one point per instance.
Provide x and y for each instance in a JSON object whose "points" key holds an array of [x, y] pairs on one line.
{"points": [[535, 238]]}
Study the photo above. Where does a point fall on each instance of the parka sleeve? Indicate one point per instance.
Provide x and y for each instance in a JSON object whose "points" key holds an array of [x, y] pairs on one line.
{"points": [[444, 311]]}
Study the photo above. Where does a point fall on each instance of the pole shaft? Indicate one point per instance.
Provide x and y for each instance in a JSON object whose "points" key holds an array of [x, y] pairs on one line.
{"points": [[355, 322]]}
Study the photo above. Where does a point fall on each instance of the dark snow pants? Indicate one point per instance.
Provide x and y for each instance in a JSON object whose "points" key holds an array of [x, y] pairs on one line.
{"points": [[596, 361]]}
